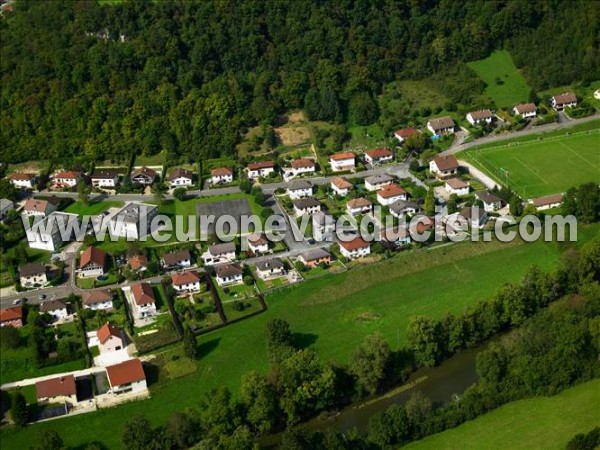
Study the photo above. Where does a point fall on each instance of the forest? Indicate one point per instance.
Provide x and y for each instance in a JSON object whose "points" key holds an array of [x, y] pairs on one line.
{"points": [[83, 81]]}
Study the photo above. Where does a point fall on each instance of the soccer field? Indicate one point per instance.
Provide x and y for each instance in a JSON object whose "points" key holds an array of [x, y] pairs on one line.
{"points": [[542, 167]]}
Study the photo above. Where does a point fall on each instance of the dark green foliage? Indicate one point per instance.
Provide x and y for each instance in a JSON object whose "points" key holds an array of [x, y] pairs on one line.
{"points": [[138, 434], [369, 363], [180, 193], [585, 441], [583, 202], [19, 412], [190, 346], [49, 440], [9, 337]]}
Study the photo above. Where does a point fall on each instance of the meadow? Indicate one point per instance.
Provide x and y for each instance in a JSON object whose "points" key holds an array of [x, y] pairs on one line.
{"points": [[506, 86], [536, 423], [92, 208]]}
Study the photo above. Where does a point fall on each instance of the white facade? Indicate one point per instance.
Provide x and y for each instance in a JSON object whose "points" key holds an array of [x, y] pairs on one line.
{"points": [[219, 253], [379, 160], [187, 287], [180, 181], [341, 164], [257, 247], [22, 183], [306, 210], [376, 182], [142, 311], [229, 279], [59, 313], [477, 121], [133, 221], [386, 201], [525, 113], [356, 210], [70, 182], [340, 191], [260, 172], [295, 194], [45, 234], [31, 280], [133, 388], [356, 253], [224, 178], [102, 306], [460, 191]]}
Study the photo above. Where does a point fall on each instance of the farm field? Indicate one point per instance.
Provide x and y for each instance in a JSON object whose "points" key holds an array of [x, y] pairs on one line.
{"points": [[506, 86], [537, 423], [542, 167], [332, 314]]}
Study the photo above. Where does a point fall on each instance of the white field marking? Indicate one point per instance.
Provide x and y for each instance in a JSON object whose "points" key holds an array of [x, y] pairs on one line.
{"points": [[576, 154], [535, 172]]}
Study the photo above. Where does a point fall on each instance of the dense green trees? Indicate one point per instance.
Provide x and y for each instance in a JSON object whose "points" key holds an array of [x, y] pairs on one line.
{"points": [[19, 413]]}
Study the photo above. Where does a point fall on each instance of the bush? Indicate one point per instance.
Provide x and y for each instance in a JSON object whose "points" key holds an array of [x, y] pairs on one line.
{"points": [[9, 338], [238, 306], [248, 280]]}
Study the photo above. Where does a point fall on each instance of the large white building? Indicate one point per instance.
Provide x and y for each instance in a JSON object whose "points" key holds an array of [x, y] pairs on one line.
{"points": [[53, 231], [133, 220]]}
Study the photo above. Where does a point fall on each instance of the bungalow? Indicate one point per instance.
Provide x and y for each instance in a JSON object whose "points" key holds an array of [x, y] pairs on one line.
{"points": [[144, 303], [547, 202], [403, 133], [186, 282], [111, 338], [340, 186], [97, 300], [228, 274], [299, 167], [61, 389], [46, 234], [127, 377], [92, 262], [356, 248], [260, 169], [56, 308], [33, 274], [479, 117], [181, 177], [443, 166], [525, 110], [138, 263], [490, 201], [341, 162], [144, 176], [358, 206], [5, 206], [271, 268], [441, 125], [179, 259], [477, 217], [457, 186], [258, 243], [564, 100], [43, 208], [11, 317], [105, 178], [376, 182], [219, 253], [221, 175], [22, 180], [306, 206], [402, 207], [390, 194], [399, 236], [379, 156], [68, 178], [314, 257], [300, 189]]}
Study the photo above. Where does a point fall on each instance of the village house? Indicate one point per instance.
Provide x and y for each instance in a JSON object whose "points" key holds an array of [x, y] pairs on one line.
{"points": [[11, 317], [323, 226], [105, 178], [480, 117], [490, 201], [97, 300], [525, 110], [341, 186], [402, 207], [61, 389], [457, 186], [300, 189], [228, 274], [181, 178], [443, 166], [261, 169], [476, 217], [144, 303], [5, 206], [32, 275], [186, 282], [221, 175], [219, 253], [179, 259], [564, 100], [379, 156], [58, 309], [356, 248], [398, 236], [270, 268], [376, 182], [46, 235], [133, 221], [258, 243], [306, 206], [111, 338], [441, 125], [92, 262], [66, 178], [22, 180], [547, 202], [298, 167], [127, 377], [314, 257], [358, 206], [341, 162], [42, 208], [138, 263], [390, 194], [144, 176], [404, 133]]}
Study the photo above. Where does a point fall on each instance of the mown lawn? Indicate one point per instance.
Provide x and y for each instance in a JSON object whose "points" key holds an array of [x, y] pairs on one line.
{"points": [[93, 208], [331, 314], [543, 423]]}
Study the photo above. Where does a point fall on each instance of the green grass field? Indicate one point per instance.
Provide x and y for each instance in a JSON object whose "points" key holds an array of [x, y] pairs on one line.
{"points": [[332, 314], [542, 167], [93, 208], [500, 66], [539, 423]]}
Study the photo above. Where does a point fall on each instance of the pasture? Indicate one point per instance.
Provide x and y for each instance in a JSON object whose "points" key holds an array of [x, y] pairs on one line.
{"points": [[536, 423]]}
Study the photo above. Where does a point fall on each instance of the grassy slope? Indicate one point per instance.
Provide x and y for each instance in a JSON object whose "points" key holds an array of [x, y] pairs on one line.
{"points": [[538, 423], [93, 208], [334, 314]]}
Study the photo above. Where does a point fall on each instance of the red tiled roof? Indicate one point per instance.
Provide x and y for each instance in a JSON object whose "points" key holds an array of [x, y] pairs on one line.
{"points": [[406, 132], [92, 255], [441, 123], [302, 163], [447, 162], [21, 176], [90, 298], [565, 97], [8, 314], [341, 156], [56, 387], [391, 190], [68, 174], [138, 261], [142, 293], [547, 200], [126, 372], [257, 239], [379, 153], [354, 244], [145, 171], [481, 114], [524, 108], [359, 203], [341, 183], [261, 165], [106, 331], [181, 173], [32, 204], [184, 278], [221, 172], [456, 183]]}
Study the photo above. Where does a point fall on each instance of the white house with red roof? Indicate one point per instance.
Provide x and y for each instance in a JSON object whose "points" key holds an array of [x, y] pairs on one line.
{"points": [[11, 317], [403, 133], [390, 194], [299, 167], [127, 377], [221, 175], [258, 243], [444, 166], [68, 178], [341, 186], [341, 162], [186, 282], [144, 303], [379, 156], [61, 389], [110, 338], [564, 100], [22, 180], [457, 186], [479, 117], [260, 169], [39, 207], [525, 110], [356, 248]]}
